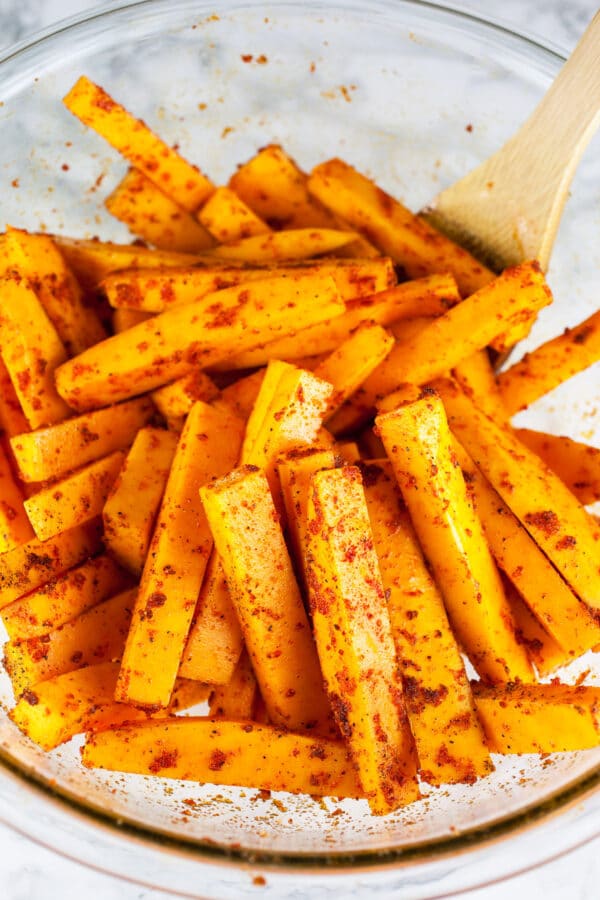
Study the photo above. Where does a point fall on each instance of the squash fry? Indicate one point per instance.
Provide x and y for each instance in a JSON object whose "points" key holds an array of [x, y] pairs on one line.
{"points": [[576, 464], [215, 640], [152, 215], [347, 367], [539, 718], [65, 597], [302, 243], [203, 333], [477, 379], [133, 503], [426, 297], [33, 564], [240, 396], [238, 698], [12, 419], [267, 600], [408, 239], [548, 510], [419, 444], [31, 351], [37, 258], [542, 649], [184, 183], [155, 290], [227, 218], [541, 371], [175, 400], [95, 636], [449, 740], [122, 319], [52, 452], [216, 751], [75, 499], [175, 566], [354, 640], [15, 528]]}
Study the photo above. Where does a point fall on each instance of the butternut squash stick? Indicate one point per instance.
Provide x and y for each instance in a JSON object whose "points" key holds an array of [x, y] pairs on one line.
{"points": [[74, 499], [354, 640], [215, 642], [35, 563], [302, 243], [216, 751], [175, 400], [238, 698], [227, 218], [550, 599], [213, 329], [477, 379], [267, 600], [542, 649], [37, 258], [426, 297], [442, 717], [175, 566], [134, 500], [419, 444], [539, 718], [240, 396], [15, 528], [65, 597], [122, 319], [153, 290], [549, 365], [31, 351], [95, 636], [12, 419], [152, 215], [548, 510], [576, 464], [184, 183], [408, 239], [51, 452]]}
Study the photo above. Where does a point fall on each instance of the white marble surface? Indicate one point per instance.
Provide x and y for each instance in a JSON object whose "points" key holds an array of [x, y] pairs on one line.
{"points": [[28, 872]]}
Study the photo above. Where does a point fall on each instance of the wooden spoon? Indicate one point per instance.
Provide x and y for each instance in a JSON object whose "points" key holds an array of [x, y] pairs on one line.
{"points": [[508, 208]]}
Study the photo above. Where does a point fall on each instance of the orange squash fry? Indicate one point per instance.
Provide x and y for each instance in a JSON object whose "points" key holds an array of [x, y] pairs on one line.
{"points": [[354, 640], [152, 215], [227, 218], [175, 400], [542, 649], [155, 291], [93, 260], [549, 365], [15, 528], [449, 741], [95, 636], [408, 239], [37, 258], [561, 613], [266, 597], [240, 396], [12, 419], [213, 329], [52, 712], [52, 452], [301, 243], [122, 319], [353, 361], [65, 597], [576, 464], [31, 350], [218, 751], [134, 500], [74, 499], [215, 640], [560, 526], [184, 183], [348, 450], [238, 698], [477, 379], [425, 297], [175, 566], [35, 563], [539, 718], [419, 444]]}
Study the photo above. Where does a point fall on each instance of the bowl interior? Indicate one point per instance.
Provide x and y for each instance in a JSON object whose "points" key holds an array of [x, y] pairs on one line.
{"points": [[391, 87]]}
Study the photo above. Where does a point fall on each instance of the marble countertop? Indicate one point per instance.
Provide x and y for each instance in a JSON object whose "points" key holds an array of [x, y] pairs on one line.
{"points": [[34, 873]]}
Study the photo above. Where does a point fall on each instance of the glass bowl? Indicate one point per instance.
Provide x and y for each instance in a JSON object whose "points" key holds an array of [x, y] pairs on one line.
{"points": [[414, 95]]}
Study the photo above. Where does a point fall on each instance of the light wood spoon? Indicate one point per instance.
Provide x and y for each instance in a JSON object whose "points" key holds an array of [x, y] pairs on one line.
{"points": [[508, 208]]}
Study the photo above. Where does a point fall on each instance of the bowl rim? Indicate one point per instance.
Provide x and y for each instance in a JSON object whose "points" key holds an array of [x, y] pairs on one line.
{"points": [[534, 816]]}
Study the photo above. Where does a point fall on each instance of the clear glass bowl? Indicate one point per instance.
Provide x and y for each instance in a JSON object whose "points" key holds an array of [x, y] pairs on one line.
{"points": [[414, 95]]}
